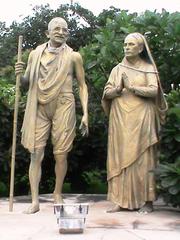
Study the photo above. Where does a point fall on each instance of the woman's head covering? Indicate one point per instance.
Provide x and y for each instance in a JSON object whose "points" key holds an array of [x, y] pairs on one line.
{"points": [[146, 53]]}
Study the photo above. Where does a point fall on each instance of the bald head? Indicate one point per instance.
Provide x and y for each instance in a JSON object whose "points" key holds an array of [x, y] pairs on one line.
{"points": [[57, 31], [57, 21]]}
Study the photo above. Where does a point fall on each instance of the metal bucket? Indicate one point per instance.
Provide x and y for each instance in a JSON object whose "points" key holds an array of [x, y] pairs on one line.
{"points": [[71, 217]]}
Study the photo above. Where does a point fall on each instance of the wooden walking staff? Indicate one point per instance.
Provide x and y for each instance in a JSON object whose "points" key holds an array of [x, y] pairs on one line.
{"points": [[16, 106]]}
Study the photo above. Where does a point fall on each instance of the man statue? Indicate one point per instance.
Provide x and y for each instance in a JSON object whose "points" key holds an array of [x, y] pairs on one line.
{"points": [[50, 105]]}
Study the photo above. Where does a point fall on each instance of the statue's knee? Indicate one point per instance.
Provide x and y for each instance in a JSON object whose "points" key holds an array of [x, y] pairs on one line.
{"points": [[37, 155], [61, 157]]}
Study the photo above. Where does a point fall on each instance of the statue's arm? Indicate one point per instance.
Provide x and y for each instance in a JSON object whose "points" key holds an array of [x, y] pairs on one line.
{"points": [[19, 69], [25, 77], [83, 91], [111, 91], [150, 90]]}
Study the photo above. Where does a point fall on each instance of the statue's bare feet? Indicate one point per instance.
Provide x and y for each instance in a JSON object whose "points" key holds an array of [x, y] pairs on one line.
{"points": [[115, 208], [58, 198], [146, 208], [32, 209]]}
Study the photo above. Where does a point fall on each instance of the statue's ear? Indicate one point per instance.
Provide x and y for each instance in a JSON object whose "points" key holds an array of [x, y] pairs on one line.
{"points": [[141, 48], [68, 34], [47, 33]]}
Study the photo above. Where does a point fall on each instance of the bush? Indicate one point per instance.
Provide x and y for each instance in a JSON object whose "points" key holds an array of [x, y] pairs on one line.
{"points": [[169, 178], [168, 171], [95, 181]]}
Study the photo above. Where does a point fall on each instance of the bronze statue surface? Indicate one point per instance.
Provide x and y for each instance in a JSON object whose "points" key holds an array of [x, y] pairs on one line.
{"points": [[50, 105], [133, 99]]}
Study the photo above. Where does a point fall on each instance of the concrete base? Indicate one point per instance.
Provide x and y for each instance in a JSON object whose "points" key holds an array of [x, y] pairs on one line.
{"points": [[125, 225]]}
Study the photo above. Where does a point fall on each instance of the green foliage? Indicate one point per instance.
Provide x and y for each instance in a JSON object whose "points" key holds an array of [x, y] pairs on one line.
{"points": [[7, 92], [171, 130], [22, 182], [6, 100], [106, 49], [162, 31], [96, 181], [169, 177], [67, 187], [3, 189], [168, 171]]}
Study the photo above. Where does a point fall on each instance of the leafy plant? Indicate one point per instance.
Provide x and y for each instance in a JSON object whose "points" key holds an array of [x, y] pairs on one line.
{"points": [[96, 181], [169, 177], [3, 189], [171, 130], [168, 171]]}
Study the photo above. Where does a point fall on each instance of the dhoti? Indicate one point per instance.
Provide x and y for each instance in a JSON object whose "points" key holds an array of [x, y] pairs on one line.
{"points": [[57, 117]]}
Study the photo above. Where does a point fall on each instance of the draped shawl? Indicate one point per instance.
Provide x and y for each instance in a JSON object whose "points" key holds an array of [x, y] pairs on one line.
{"points": [[32, 74], [125, 145]]}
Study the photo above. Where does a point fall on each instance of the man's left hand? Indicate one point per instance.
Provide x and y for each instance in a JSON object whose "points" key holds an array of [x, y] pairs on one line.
{"points": [[84, 126]]}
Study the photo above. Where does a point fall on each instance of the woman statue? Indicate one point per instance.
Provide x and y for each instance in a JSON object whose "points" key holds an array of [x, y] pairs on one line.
{"points": [[134, 101]]}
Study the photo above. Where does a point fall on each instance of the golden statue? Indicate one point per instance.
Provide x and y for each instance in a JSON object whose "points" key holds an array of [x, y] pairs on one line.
{"points": [[50, 105], [134, 101]]}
